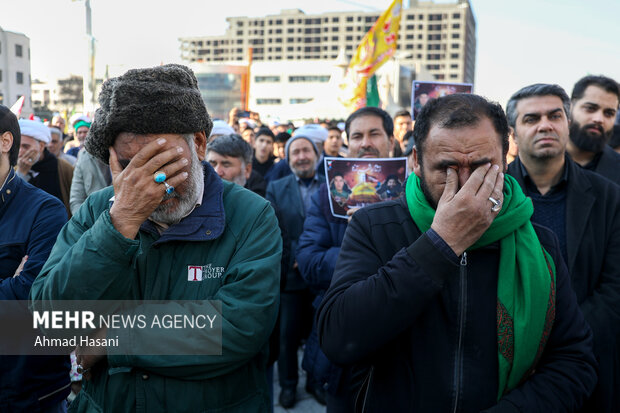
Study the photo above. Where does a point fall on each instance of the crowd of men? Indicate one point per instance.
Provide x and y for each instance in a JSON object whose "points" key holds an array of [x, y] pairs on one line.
{"points": [[490, 284]]}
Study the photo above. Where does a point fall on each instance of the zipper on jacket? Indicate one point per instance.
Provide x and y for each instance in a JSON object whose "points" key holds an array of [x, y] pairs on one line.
{"points": [[458, 366]]}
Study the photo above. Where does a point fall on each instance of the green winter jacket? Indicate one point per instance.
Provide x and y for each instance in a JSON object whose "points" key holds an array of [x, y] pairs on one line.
{"points": [[233, 229]]}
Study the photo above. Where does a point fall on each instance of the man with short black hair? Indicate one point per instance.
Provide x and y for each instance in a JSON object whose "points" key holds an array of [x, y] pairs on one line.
{"points": [[263, 159], [583, 209], [370, 135], [30, 222], [231, 158], [402, 125], [594, 105], [449, 299], [333, 143]]}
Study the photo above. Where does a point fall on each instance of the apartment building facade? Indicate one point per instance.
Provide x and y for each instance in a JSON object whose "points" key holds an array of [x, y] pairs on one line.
{"points": [[15, 69], [441, 37]]}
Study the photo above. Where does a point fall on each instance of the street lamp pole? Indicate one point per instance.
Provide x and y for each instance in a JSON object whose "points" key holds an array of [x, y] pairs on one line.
{"points": [[89, 78]]}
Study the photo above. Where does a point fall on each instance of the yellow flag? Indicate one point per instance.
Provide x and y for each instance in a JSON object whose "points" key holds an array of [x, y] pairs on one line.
{"points": [[376, 47]]}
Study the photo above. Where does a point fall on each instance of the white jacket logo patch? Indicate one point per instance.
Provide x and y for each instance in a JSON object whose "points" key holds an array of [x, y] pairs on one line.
{"points": [[202, 272]]}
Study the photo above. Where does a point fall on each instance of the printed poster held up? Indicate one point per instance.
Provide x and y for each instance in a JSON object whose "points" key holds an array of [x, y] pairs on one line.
{"points": [[422, 92], [356, 182]]}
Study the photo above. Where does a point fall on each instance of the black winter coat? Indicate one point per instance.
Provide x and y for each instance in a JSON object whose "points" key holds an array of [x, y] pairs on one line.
{"points": [[425, 326]]}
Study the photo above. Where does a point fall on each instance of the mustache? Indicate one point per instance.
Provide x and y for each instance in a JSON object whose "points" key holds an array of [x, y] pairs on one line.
{"points": [[367, 151], [594, 126]]}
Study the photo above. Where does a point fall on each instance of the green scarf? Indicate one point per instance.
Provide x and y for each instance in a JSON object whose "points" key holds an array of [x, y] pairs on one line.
{"points": [[525, 285]]}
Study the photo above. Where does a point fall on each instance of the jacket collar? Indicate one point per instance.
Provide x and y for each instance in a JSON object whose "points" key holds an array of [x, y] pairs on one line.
{"points": [[579, 203], [9, 187], [206, 222]]}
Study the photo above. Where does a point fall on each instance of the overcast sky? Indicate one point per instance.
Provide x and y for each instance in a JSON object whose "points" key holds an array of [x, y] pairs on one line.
{"points": [[520, 42]]}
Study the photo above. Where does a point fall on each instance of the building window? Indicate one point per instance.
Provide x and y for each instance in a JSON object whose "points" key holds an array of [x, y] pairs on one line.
{"points": [[349, 19], [410, 27], [295, 101], [456, 36], [411, 17], [19, 78], [334, 38], [19, 51], [454, 66], [456, 16], [453, 76], [309, 78], [335, 19], [455, 45], [456, 26], [269, 101], [434, 17], [409, 37], [454, 56], [440, 77]]}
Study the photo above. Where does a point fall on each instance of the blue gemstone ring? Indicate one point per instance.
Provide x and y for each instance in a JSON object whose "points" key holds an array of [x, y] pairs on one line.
{"points": [[160, 177], [169, 188]]}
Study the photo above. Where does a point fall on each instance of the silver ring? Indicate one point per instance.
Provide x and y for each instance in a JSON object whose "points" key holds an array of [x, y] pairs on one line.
{"points": [[497, 205], [169, 188], [82, 370]]}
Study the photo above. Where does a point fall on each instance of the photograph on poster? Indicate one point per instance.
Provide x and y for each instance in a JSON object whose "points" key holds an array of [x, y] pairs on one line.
{"points": [[355, 182]]}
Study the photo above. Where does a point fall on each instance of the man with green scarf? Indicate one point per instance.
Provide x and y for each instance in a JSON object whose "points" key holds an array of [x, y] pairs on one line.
{"points": [[450, 299]]}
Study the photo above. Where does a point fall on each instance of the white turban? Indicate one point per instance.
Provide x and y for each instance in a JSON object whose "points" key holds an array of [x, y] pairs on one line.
{"points": [[36, 130]]}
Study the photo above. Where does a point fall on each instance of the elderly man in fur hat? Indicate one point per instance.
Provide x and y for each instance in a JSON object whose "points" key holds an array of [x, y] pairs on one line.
{"points": [[168, 229]]}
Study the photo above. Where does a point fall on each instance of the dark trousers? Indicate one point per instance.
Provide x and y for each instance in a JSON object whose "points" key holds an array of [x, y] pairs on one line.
{"points": [[295, 324]]}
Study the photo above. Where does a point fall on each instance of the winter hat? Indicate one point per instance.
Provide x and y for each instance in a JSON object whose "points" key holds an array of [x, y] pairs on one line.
{"points": [[294, 138], [162, 99], [313, 131]]}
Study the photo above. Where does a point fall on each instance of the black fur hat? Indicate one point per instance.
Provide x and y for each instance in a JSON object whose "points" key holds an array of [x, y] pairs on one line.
{"points": [[162, 99]]}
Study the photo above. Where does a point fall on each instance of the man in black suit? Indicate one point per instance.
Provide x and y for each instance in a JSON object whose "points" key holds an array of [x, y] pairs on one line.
{"points": [[583, 209], [594, 104]]}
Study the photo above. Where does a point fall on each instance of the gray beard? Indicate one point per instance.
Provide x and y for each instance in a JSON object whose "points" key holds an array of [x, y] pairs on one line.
{"points": [[187, 201], [240, 180]]}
